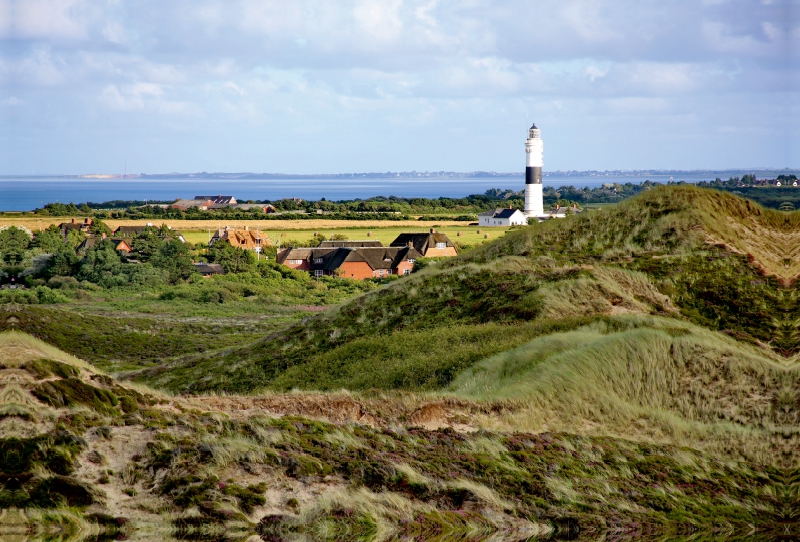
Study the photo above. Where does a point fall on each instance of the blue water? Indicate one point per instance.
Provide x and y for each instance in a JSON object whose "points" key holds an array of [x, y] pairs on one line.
{"points": [[25, 194]]}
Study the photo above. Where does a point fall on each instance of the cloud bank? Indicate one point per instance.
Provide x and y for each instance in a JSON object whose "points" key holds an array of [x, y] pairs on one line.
{"points": [[360, 85]]}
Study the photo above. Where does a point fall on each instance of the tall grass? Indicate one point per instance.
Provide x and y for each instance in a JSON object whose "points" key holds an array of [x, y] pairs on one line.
{"points": [[20, 347], [643, 377]]}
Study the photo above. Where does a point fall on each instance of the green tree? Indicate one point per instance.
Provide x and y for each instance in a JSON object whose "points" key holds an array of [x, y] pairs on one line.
{"points": [[98, 227], [102, 265], [232, 259], [63, 263], [173, 257], [75, 238], [147, 243], [13, 244], [49, 240]]}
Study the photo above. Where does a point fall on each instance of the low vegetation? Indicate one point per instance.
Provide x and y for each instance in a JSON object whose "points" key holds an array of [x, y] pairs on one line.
{"points": [[106, 458], [630, 372]]}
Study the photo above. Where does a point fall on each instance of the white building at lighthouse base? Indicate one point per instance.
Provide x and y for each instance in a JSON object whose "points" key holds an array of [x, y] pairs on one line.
{"points": [[502, 217]]}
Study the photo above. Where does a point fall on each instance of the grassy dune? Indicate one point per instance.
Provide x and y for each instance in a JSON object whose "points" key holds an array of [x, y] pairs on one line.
{"points": [[651, 255], [646, 378], [626, 373], [88, 458]]}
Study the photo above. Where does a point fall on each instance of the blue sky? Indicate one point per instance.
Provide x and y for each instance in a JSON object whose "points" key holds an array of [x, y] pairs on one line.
{"points": [[316, 86]]}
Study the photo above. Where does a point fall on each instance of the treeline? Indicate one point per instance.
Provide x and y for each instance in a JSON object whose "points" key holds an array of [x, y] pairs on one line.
{"points": [[157, 257], [50, 268], [376, 208], [398, 208]]}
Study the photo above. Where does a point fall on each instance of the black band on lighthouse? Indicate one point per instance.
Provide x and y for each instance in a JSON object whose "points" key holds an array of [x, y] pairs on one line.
{"points": [[533, 175]]}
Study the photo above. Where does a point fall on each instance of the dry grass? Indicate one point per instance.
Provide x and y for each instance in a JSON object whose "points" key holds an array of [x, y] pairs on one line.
{"points": [[19, 347], [321, 224]]}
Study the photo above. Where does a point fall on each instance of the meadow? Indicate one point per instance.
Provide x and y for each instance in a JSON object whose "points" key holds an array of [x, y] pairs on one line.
{"points": [[37, 223], [461, 233]]}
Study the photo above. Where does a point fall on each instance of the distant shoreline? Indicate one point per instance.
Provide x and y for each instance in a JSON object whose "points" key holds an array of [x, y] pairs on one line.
{"points": [[407, 174]]}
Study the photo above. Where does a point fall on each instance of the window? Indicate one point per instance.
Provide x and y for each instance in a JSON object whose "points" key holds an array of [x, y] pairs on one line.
{"points": [[295, 262], [411, 260], [381, 272], [441, 245], [317, 260], [318, 272], [406, 271]]}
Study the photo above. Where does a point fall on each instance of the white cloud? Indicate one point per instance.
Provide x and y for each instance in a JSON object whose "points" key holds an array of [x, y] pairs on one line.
{"points": [[586, 18], [140, 97], [379, 19], [11, 101], [226, 64], [234, 87], [6, 12], [115, 33], [593, 72], [130, 97], [52, 19], [41, 67]]}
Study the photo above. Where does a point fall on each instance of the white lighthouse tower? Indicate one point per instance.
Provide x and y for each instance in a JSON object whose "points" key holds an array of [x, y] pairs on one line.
{"points": [[534, 151]]}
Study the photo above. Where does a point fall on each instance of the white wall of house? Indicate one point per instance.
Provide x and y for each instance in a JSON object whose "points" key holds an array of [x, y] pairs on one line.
{"points": [[516, 219]]}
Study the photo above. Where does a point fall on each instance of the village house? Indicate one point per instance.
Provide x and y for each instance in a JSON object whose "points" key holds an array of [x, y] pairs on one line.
{"points": [[347, 243], [431, 244], [241, 238], [122, 246], [502, 217], [74, 225], [562, 212], [351, 262], [128, 232], [184, 204], [265, 207], [218, 200], [209, 203], [208, 269]]}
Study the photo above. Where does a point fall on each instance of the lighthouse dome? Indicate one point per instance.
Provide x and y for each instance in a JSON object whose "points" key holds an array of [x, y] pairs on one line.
{"points": [[533, 132]]}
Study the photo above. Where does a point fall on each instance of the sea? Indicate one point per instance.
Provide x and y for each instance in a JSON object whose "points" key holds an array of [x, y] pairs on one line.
{"points": [[28, 193]]}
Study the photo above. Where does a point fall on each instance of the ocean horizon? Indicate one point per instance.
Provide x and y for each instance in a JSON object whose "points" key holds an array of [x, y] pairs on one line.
{"points": [[22, 193]]}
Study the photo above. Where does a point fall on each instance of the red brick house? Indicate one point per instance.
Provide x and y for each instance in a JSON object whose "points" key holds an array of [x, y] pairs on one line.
{"points": [[351, 262]]}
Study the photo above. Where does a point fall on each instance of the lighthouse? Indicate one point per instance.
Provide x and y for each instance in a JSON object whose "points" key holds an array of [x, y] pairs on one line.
{"points": [[534, 150]]}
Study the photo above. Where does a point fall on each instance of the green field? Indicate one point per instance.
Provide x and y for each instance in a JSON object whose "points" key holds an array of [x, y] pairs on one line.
{"points": [[469, 234]]}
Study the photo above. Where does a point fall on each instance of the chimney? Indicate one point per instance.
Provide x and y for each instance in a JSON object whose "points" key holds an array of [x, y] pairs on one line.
{"points": [[246, 228], [433, 231], [73, 221], [410, 244]]}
